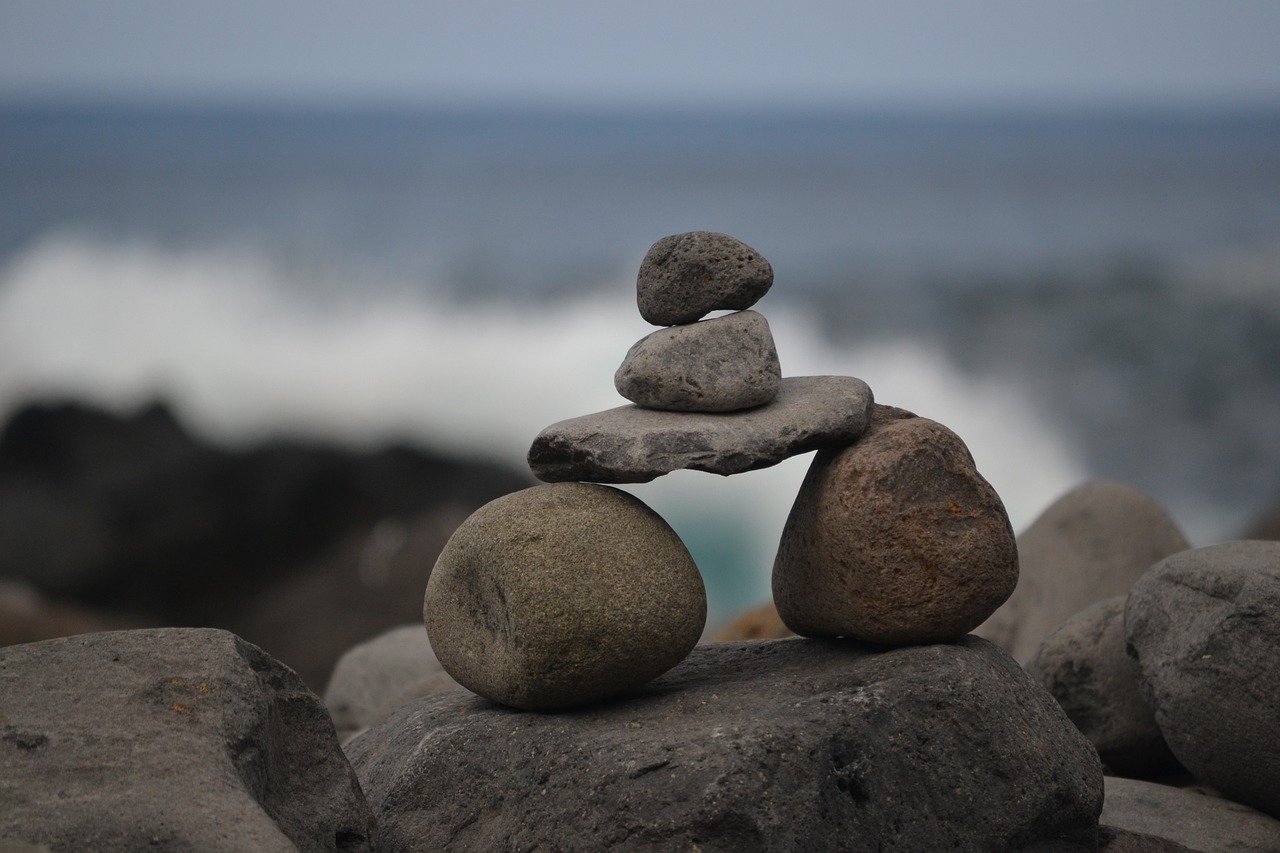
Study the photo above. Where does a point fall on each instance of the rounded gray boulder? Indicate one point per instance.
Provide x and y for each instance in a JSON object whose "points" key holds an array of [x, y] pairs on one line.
{"points": [[1204, 626], [894, 539], [685, 277], [562, 595]]}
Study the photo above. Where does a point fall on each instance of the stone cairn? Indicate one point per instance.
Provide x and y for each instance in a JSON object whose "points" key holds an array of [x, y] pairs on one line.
{"points": [[565, 594]]}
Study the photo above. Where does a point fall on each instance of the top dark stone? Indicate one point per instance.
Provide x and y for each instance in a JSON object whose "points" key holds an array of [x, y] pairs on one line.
{"points": [[684, 277]]}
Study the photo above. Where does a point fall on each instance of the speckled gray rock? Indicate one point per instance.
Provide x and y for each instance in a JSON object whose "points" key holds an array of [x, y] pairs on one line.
{"points": [[1188, 817], [1085, 666], [379, 675], [631, 444], [686, 276], [717, 365], [895, 539], [1205, 628], [1091, 544], [779, 745], [562, 595], [170, 739]]}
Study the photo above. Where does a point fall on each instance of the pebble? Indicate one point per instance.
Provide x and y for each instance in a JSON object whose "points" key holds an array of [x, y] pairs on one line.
{"points": [[894, 539], [1204, 626], [562, 595], [1091, 544], [719, 365], [684, 277]]}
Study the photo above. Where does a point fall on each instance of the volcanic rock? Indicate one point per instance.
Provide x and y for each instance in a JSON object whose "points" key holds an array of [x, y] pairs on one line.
{"points": [[562, 595], [1085, 666], [1091, 544], [1186, 816], [170, 739], [894, 539], [717, 365], [1205, 628], [780, 745], [684, 277], [631, 444]]}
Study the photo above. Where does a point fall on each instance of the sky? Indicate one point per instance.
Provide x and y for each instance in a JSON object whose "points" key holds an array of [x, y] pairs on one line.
{"points": [[732, 53]]}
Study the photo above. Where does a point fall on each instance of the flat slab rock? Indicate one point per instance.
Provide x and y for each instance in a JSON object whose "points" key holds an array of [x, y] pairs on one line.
{"points": [[631, 444], [780, 745]]}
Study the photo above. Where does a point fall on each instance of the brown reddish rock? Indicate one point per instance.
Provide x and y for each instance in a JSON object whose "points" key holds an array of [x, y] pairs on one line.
{"points": [[895, 539]]}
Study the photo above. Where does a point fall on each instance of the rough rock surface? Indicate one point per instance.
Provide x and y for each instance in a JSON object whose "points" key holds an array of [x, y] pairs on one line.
{"points": [[170, 739], [719, 365], [1091, 544], [631, 444], [780, 745], [379, 675], [894, 539], [562, 595], [1195, 820], [686, 276], [1205, 628], [1085, 666]]}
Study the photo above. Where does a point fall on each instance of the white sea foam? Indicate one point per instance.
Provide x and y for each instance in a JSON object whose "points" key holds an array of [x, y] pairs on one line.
{"points": [[242, 353]]}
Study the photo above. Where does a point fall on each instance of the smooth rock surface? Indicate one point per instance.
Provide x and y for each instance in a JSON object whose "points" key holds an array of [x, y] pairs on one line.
{"points": [[1195, 820], [562, 595], [686, 276], [781, 745], [170, 739], [895, 539], [1204, 626], [1085, 666], [1091, 544], [379, 675], [719, 365], [631, 444]]}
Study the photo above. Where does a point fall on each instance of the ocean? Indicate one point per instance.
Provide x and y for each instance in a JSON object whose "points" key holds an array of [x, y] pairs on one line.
{"points": [[1078, 295]]}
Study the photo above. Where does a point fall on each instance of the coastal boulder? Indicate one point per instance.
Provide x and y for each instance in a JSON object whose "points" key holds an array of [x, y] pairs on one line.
{"points": [[1204, 626], [686, 276], [1188, 817], [562, 595], [1085, 666], [719, 365], [170, 739], [1091, 544], [780, 745], [894, 539]]}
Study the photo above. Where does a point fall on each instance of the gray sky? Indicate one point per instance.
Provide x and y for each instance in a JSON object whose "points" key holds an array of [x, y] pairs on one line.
{"points": [[647, 52]]}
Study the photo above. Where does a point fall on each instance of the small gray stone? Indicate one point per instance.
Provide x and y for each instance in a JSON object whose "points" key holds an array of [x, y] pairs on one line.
{"points": [[791, 746], [684, 277], [563, 595], [1085, 666], [170, 739], [1091, 544], [1198, 821], [631, 444], [718, 365], [895, 539], [1205, 628], [379, 675]]}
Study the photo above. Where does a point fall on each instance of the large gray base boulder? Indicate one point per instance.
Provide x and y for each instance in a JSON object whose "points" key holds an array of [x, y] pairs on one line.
{"points": [[170, 739], [1188, 817], [780, 745]]}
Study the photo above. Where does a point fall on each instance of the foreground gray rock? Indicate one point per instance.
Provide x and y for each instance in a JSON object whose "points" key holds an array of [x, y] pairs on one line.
{"points": [[719, 365], [170, 739], [631, 444], [686, 276], [783, 745], [562, 595], [1091, 544], [1205, 628], [894, 539], [379, 675], [1186, 816], [1085, 666]]}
